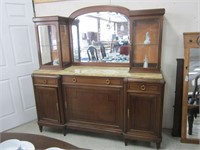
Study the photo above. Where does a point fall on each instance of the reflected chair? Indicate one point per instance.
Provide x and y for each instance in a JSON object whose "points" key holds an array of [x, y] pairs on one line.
{"points": [[103, 50], [92, 53], [193, 107]]}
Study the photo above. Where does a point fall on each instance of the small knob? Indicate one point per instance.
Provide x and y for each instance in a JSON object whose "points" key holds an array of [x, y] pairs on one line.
{"points": [[74, 80], [142, 87], [44, 81], [190, 41], [107, 81]]}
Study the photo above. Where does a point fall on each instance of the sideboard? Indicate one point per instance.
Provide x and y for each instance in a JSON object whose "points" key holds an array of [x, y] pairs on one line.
{"points": [[101, 99], [85, 81]]}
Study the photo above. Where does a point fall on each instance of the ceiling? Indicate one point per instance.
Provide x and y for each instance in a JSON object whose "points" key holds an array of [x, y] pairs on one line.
{"points": [[109, 16]]}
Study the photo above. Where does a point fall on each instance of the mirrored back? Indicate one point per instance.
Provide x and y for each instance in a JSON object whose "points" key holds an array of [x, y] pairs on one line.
{"points": [[101, 36]]}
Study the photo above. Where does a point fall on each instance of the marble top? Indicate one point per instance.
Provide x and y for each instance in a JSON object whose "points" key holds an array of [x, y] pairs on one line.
{"points": [[100, 71]]}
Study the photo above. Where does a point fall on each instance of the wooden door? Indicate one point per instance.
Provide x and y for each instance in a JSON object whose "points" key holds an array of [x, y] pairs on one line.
{"points": [[94, 108], [47, 104], [143, 113], [18, 59]]}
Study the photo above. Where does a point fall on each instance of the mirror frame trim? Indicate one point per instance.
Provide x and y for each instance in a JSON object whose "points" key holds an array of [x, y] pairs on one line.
{"points": [[188, 44]]}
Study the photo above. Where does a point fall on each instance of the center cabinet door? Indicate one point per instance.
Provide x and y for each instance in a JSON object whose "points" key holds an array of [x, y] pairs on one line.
{"points": [[94, 104]]}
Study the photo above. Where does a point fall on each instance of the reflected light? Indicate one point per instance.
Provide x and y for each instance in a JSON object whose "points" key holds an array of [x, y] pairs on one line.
{"points": [[197, 69], [190, 73]]}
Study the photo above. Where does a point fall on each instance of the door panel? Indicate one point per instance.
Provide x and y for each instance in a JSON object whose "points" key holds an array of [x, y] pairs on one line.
{"points": [[93, 105], [142, 112], [47, 104], [18, 59]]}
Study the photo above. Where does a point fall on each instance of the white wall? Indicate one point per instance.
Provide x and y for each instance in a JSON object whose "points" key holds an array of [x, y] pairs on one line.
{"points": [[181, 16]]}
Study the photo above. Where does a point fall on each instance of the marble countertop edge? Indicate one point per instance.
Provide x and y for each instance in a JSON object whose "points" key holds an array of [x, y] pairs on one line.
{"points": [[100, 71]]}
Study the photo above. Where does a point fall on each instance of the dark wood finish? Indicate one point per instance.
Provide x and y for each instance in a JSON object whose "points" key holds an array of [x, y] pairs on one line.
{"points": [[190, 41], [143, 111], [94, 103], [49, 101], [130, 107], [146, 12], [176, 130], [39, 141]]}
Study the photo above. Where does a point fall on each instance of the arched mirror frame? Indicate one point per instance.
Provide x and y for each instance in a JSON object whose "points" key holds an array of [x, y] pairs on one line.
{"points": [[191, 40], [103, 8]]}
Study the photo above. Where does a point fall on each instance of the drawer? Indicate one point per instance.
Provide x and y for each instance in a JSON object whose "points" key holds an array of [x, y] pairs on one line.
{"points": [[92, 80], [144, 87], [192, 40], [50, 80]]}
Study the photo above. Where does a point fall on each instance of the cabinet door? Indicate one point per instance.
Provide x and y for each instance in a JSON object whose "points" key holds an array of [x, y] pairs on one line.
{"points": [[146, 40], [47, 104], [94, 108], [52, 33], [146, 44], [143, 113]]}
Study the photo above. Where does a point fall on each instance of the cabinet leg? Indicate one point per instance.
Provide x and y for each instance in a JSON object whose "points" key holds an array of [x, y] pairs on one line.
{"points": [[41, 128], [64, 131], [158, 145], [126, 142]]}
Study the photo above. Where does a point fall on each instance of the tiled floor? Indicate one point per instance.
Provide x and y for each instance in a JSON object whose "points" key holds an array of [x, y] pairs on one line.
{"points": [[105, 142]]}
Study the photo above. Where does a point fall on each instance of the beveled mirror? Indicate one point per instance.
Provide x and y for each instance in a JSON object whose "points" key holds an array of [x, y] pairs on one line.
{"points": [[100, 35], [190, 132]]}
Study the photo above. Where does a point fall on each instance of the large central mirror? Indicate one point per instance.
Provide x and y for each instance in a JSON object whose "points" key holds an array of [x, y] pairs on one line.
{"points": [[101, 36]]}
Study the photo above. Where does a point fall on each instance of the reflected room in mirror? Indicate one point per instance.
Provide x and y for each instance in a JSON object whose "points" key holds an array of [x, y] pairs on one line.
{"points": [[48, 44], [193, 124], [101, 37]]}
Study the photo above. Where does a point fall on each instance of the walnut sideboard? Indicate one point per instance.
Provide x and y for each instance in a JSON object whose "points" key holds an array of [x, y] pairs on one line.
{"points": [[102, 100]]}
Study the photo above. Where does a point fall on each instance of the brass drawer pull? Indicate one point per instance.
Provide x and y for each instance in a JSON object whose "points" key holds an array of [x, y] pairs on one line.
{"points": [[74, 80], [44, 81], [107, 81], [142, 87]]}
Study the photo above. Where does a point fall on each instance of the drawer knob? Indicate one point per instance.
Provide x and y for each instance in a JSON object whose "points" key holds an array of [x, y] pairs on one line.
{"points": [[142, 87], [44, 81], [74, 80], [107, 81]]}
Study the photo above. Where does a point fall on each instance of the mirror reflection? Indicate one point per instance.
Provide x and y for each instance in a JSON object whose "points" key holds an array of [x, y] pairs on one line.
{"points": [[48, 44], [101, 37], [193, 122]]}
